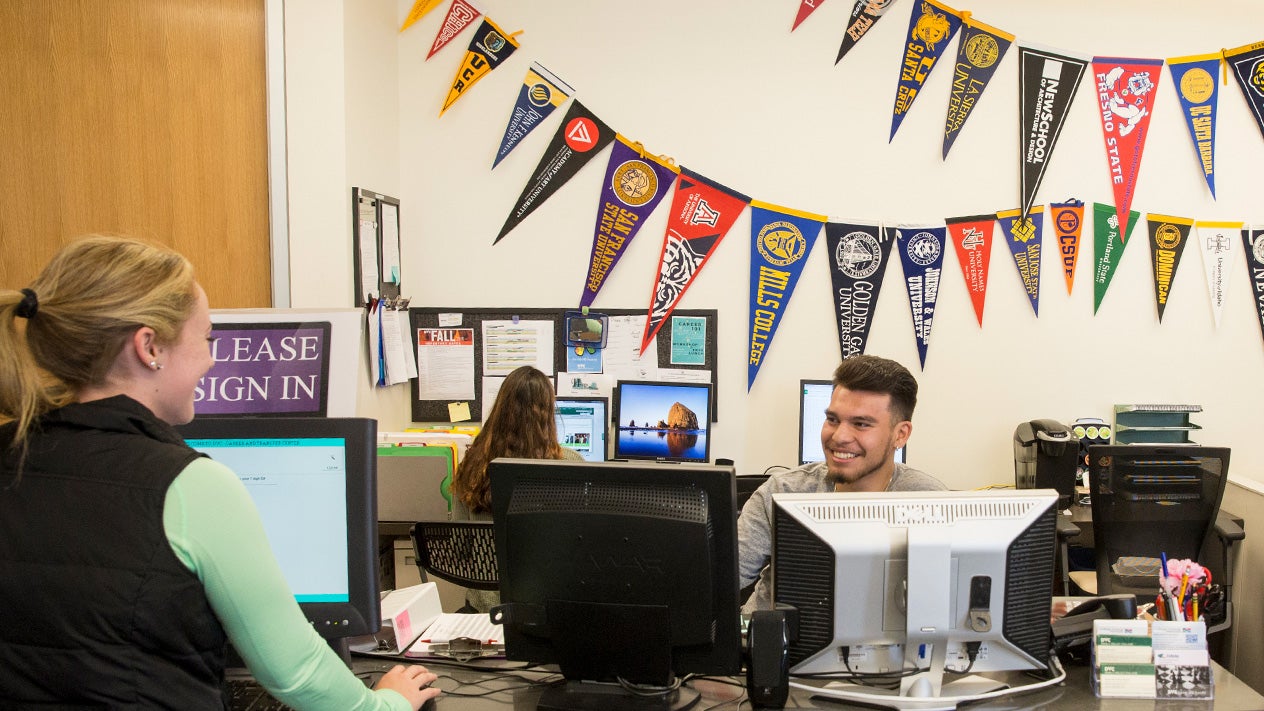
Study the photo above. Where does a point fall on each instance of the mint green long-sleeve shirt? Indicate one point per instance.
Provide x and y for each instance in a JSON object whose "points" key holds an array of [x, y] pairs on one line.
{"points": [[215, 530]]}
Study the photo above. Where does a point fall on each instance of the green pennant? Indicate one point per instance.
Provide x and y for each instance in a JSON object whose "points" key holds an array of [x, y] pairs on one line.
{"points": [[1108, 247]]}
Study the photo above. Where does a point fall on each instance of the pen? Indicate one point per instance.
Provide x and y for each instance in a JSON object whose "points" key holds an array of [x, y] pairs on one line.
{"points": [[1193, 612], [1163, 557], [1184, 584]]}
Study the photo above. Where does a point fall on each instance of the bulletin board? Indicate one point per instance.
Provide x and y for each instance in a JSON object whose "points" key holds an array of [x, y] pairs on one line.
{"points": [[428, 317]]}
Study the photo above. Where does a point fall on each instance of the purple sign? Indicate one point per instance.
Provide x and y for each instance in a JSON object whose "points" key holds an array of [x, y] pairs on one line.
{"points": [[266, 369]]}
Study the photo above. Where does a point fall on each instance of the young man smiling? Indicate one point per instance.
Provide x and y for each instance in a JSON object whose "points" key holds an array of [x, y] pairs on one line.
{"points": [[869, 417]]}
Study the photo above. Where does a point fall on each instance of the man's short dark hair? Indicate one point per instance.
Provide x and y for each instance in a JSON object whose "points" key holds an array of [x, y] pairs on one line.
{"points": [[880, 375]]}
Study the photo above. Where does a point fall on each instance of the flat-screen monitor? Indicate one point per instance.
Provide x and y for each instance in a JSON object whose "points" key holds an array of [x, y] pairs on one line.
{"points": [[313, 481], [660, 421], [582, 423], [617, 571], [814, 398], [900, 587]]}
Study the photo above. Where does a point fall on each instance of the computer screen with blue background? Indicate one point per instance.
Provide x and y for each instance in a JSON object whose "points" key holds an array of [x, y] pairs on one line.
{"points": [[313, 481], [582, 423], [664, 421]]}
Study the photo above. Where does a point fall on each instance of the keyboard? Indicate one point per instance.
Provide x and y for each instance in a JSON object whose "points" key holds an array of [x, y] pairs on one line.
{"points": [[249, 695]]}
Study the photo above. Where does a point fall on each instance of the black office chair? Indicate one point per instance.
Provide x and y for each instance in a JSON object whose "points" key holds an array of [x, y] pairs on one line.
{"points": [[460, 552], [1155, 499]]}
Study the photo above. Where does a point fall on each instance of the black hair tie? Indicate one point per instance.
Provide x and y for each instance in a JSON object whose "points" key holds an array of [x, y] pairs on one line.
{"points": [[29, 305]]}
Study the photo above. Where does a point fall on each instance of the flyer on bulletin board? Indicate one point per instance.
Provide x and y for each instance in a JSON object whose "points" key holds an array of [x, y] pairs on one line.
{"points": [[689, 340]]}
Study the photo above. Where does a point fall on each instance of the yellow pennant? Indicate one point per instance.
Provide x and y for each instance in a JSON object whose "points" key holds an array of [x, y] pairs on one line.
{"points": [[420, 8]]}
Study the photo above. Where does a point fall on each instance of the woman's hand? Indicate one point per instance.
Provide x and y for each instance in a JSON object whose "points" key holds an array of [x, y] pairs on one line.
{"points": [[411, 682]]}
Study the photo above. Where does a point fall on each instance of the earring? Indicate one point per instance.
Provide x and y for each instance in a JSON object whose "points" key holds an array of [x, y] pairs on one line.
{"points": [[155, 365]]}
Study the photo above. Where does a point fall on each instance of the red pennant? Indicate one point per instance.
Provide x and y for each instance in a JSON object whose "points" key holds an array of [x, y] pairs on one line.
{"points": [[460, 15], [1126, 89], [972, 238], [805, 8]]}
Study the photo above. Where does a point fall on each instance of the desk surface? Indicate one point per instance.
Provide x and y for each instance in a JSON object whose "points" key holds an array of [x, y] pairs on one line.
{"points": [[512, 691]]}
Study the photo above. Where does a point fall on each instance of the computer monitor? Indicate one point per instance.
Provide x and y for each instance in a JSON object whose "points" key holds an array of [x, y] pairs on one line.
{"points": [[617, 570], [313, 481], [582, 424], [899, 587], [814, 398], [661, 421]]}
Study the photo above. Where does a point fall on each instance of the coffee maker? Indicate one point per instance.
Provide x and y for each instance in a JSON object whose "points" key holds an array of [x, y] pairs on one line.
{"points": [[1045, 457]]}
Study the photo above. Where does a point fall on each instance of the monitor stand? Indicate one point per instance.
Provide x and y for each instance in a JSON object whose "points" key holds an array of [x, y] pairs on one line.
{"points": [[600, 696]]}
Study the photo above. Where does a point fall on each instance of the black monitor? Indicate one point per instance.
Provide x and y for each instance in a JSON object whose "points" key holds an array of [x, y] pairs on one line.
{"points": [[814, 398], [313, 481], [617, 571], [582, 424], [662, 421]]}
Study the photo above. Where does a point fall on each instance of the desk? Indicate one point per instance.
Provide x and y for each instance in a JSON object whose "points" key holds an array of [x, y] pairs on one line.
{"points": [[1231, 693]]}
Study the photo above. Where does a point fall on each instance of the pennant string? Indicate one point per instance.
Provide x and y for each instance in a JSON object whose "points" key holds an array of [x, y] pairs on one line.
{"points": [[965, 16], [1224, 67]]}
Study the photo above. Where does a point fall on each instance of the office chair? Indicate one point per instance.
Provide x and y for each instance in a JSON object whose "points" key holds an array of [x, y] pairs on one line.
{"points": [[1150, 500], [460, 552]]}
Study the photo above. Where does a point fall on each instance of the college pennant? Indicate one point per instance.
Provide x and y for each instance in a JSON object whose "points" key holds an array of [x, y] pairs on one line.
{"points": [[858, 254], [635, 183], [1108, 247], [921, 249], [1125, 88], [1215, 240], [931, 27], [980, 50], [781, 240], [1248, 69], [702, 212], [1023, 235], [1068, 224], [1253, 240], [541, 92], [972, 238], [806, 7], [1047, 81], [460, 15], [1167, 243], [1195, 81], [420, 8], [580, 137], [487, 50], [864, 15]]}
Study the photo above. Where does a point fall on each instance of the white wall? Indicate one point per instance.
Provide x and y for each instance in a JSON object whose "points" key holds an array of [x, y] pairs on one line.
{"points": [[728, 91]]}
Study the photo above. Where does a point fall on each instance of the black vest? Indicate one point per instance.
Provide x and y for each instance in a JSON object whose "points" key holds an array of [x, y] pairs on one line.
{"points": [[96, 611]]}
